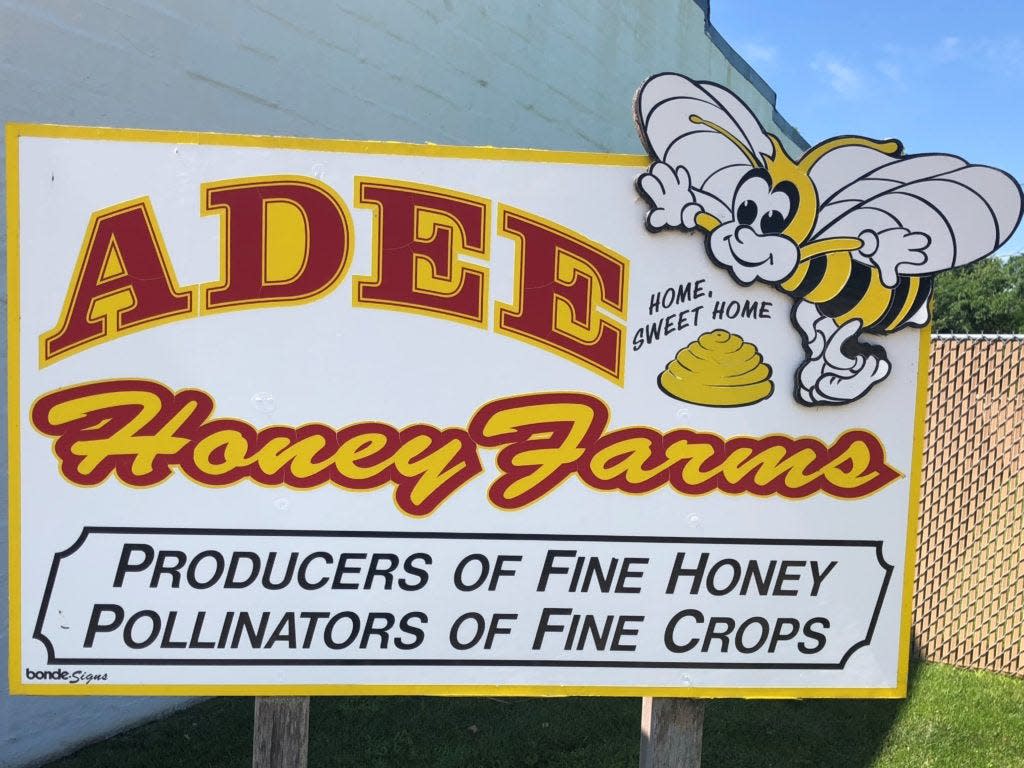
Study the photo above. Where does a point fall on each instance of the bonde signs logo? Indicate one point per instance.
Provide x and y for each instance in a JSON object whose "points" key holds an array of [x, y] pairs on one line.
{"points": [[69, 676]]}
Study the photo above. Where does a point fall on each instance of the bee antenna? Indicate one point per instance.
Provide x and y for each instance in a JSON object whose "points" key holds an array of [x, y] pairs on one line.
{"points": [[698, 120], [814, 154]]}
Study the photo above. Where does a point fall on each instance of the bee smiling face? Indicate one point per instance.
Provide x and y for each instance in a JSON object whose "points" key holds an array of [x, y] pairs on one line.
{"points": [[753, 245]]}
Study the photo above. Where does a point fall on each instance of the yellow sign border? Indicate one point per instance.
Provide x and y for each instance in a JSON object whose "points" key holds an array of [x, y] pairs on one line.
{"points": [[16, 131]]}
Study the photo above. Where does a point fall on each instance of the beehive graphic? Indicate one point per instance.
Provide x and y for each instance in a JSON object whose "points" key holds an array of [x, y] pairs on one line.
{"points": [[719, 369]]}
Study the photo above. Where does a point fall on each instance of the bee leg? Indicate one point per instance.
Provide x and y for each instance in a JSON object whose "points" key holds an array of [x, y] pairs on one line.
{"points": [[839, 368]]}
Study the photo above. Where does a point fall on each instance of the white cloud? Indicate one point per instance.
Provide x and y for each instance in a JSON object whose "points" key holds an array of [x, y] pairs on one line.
{"points": [[1004, 53], [844, 79], [891, 70], [758, 54], [999, 53], [949, 49]]}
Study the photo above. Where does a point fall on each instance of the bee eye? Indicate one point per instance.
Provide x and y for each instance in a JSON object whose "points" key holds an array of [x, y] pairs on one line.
{"points": [[772, 223], [746, 213]]}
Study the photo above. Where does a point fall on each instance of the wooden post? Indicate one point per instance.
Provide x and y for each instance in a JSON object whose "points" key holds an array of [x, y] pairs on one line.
{"points": [[671, 731], [280, 732]]}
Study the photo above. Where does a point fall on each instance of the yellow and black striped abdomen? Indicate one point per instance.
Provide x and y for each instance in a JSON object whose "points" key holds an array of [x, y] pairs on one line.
{"points": [[846, 289]]}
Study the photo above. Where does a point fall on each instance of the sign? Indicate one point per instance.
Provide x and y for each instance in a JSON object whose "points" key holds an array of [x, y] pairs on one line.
{"points": [[295, 416]]}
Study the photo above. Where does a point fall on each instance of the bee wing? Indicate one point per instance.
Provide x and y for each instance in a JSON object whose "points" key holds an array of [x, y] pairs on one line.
{"points": [[967, 211], [687, 123]]}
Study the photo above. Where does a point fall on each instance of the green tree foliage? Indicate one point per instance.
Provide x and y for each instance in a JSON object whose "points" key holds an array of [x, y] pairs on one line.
{"points": [[986, 297]]}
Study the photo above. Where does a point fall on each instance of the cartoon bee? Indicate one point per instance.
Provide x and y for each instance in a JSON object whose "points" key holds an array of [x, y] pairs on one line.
{"points": [[853, 231]]}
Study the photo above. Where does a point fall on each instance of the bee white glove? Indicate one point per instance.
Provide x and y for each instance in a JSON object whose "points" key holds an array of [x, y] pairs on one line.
{"points": [[890, 249], [672, 201]]}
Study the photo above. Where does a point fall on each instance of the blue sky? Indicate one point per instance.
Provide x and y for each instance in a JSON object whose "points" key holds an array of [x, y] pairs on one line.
{"points": [[940, 76]]}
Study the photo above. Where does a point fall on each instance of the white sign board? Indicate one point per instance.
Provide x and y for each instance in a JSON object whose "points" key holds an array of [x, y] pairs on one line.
{"points": [[300, 416]]}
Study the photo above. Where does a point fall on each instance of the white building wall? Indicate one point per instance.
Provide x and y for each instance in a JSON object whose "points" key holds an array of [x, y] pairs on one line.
{"points": [[557, 75]]}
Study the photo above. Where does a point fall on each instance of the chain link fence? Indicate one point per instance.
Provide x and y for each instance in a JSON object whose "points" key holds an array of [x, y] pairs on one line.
{"points": [[969, 585]]}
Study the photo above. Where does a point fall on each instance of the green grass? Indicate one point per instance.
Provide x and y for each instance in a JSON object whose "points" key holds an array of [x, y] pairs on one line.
{"points": [[953, 717]]}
